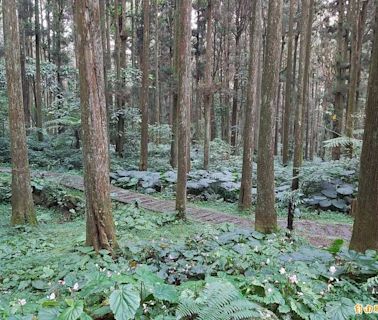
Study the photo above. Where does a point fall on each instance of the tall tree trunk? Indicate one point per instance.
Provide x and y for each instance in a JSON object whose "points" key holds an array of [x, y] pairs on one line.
{"points": [[183, 69], [23, 20], [266, 217], [22, 201], [145, 84], [365, 228], [100, 226], [303, 78], [174, 88], [37, 82], [340, 79], [234, 111], [120, 62], [245, 195], [157, 68], [353, 76], [288, 87], [226, 78], [278, 105], [208, 89]]}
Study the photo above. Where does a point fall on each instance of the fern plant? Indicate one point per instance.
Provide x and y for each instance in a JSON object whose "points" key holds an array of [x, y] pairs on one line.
{"points": [[219, 300], [342, 141]]}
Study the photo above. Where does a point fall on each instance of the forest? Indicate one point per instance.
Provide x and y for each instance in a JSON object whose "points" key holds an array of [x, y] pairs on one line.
{"points": [[188, 159]]}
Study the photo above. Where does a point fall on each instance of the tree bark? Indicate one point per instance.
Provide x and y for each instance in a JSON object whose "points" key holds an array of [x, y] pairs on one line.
{"points": [[303, 78], [100, 226], [288, 87], [37, 82], [340, 79], [22, 201], [208, 89], [145, 84], [266, 217], [353, 75], [245, 196], [183, 34], [365, 227], [174, 88]]}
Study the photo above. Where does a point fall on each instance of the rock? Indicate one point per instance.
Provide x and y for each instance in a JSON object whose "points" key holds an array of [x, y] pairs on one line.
{"points": [[170, 176], [113, 176], [330, 193], [339, 204], [325, 204], [122, 173], [283, 188], [345, 190]]}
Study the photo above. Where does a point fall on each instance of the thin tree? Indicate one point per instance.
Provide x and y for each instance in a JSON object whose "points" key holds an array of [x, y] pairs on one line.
{"points": [[208, 89], [353, 75], [145, 66], [245, 197], [120, 64], [183, 70], [365, 227], [340, 78], [22, 201], [266, 217], [289, 86], [37, 82], [100, 226], [174, 86], [302, 97]]}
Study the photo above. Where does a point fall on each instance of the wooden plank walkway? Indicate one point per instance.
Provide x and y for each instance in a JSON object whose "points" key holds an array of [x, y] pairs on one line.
{"points": [[318, 234]]}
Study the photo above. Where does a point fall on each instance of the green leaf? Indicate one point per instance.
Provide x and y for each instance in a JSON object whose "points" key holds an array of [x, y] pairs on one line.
{"points": [[73, 312], [48, 314], [124, 302], [39, 284], [342, 309], [85, 316], [336, 245], [165, 292]]}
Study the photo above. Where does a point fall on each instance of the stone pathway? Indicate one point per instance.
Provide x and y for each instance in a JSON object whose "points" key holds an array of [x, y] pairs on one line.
{"points": [[319, 234]]}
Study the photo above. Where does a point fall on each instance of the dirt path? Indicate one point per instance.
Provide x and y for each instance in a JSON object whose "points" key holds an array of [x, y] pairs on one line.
{"points": [[319, 234]]}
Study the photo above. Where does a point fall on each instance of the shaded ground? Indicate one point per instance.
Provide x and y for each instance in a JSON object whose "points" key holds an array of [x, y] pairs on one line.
{"points": [[319, 234]]}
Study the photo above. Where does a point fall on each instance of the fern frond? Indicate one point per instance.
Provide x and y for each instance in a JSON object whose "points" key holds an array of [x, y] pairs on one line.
{"points": [[66, 121], [220, 300], [371, 283], [342, 142]]}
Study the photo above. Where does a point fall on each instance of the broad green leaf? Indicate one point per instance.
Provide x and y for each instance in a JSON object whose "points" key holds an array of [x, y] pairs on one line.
{"points": [[342, 309], [39, 284], [165, 292], [48, 314], [124, 302], [73, 312]]}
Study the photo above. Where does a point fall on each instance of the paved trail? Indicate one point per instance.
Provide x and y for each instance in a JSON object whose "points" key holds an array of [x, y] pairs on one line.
{"points": [[318, 234]]}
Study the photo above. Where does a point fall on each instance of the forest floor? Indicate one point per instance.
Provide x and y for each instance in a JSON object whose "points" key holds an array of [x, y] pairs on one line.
{"points": [[317, 233]]}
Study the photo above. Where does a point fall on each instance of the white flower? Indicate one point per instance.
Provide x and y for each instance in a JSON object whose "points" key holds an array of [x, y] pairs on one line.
{"points": [[300, 293], [322, 292], [329, 287], [109, 274], [293, 279], [267, 261], [270, 290], [332, 269], [52, 296], [75, 287], [21, 302], [282, 270]]}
